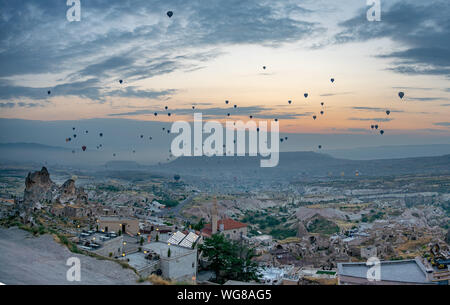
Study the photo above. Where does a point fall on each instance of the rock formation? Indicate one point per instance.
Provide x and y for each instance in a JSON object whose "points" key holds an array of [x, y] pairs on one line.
{"points": [[41, 190], [39, 187]]}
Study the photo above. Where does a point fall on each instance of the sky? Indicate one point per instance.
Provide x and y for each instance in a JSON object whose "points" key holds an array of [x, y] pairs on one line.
{"points": [[211, 51]]}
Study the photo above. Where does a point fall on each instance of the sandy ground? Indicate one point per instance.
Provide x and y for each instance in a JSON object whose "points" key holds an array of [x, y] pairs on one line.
{"points": [[29, 260]]}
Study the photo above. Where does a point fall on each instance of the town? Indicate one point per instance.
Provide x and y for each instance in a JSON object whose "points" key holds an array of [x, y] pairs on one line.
{"points": [[168, 230]]}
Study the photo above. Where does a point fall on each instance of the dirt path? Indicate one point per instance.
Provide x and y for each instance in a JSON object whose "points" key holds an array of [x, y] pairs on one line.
{"points": [[25, 259]]}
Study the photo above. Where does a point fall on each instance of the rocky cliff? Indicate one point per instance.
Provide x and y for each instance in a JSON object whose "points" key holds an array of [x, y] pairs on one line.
{"points": [[39, 188]]}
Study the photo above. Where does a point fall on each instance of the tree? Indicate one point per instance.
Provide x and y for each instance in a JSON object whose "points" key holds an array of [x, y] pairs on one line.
{"points": [[200, 225], [229, 259]]}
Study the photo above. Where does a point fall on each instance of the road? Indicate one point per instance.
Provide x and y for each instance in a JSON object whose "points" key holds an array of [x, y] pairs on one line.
{"points": [[175, 211]]}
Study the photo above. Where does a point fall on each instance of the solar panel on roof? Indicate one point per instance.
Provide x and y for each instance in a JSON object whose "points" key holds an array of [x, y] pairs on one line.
{"points": [[189, 240], [176, 238]]}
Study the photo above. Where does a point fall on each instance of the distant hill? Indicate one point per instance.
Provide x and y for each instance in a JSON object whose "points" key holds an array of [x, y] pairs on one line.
{"points": [[391, 152], [31, 146], [307, 164], [123, 165]]}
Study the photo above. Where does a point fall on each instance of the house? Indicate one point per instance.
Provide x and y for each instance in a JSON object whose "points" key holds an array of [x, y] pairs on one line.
{"points": [[175, 262], [118, 224], [400, 272], [232, 229]]}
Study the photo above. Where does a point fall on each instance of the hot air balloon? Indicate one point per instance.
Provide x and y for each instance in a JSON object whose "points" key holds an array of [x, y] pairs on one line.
{"points": [[401, 94], [170, 14], [83, 148], [388, 112]]}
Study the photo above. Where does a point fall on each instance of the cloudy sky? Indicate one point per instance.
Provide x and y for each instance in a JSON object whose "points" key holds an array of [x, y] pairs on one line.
{"points": [[214, 50]]}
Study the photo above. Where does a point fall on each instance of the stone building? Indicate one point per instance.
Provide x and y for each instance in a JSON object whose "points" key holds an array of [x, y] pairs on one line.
{"points": [[231, 228], [176, 263], [118, 224]]}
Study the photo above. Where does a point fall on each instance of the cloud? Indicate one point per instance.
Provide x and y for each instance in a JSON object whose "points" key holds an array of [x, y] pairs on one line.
{"points": [[145, 94], [412, 88], [357, 129], [420, 28], [371, 119], [121, 32], [20, 105], [426, 99], [335, 94], [90, 89], [218, 113], [132, 40], [444, 124], [375, 109]]}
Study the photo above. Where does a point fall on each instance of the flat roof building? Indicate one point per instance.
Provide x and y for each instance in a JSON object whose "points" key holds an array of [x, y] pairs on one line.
{"points": [[401, 272], [115, 224], [176, 263]]}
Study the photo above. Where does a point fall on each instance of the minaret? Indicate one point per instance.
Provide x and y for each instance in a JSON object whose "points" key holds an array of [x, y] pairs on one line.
{"points": [[214, 217]]}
